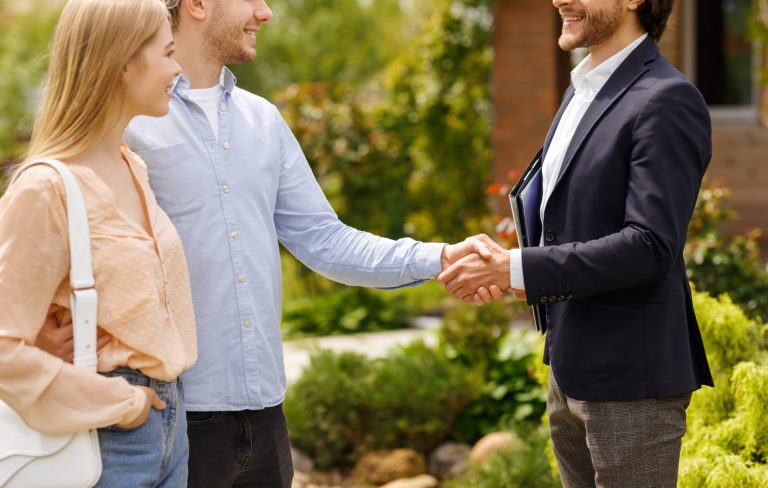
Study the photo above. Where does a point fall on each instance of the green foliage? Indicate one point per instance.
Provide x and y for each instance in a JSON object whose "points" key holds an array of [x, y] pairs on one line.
{"points": [[361, 167], [479, 337], [24, 40], [415, 158], [345, 405], [343, 41], [344, 311], [472, 334], [727, 439], [524, 467], [725, 264], [439, 105]]}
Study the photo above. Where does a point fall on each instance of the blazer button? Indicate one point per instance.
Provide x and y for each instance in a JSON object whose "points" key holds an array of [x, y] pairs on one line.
{"points": [[569, 297], [549, 236], [561, 298], [553, 298], [543, 300]]}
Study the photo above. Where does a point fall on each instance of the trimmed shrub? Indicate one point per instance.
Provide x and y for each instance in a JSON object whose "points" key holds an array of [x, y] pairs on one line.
{"points": [[727, 439], [345, 405]]}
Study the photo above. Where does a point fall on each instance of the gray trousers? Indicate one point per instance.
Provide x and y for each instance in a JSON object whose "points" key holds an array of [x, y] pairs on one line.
{"points": [[633, 444]]}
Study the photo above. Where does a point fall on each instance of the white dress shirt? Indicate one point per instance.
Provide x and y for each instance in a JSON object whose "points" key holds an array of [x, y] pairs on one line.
{"points": [[587, 84]]}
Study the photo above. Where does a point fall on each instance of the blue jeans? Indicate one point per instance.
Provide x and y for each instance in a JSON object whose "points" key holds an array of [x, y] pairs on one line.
{"points": [[153, 455]]}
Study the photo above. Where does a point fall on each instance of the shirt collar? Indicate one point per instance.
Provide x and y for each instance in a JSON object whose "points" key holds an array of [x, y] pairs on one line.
{"points": [[590, 82], [227, 81]]}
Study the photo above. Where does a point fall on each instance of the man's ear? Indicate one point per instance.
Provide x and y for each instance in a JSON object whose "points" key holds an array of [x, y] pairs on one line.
{"points": [[197, 9], [634, 4]]}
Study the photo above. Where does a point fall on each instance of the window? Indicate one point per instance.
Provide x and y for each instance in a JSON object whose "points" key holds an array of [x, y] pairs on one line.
{"points": [[722, 57]]}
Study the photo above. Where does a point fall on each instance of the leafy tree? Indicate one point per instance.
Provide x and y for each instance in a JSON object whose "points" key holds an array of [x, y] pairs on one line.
{"points": [[439, 104], [342, 41], [24, 37]]}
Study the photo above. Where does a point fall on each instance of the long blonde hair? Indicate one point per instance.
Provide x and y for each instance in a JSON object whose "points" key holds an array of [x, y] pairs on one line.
{"points": [[93, 42]]}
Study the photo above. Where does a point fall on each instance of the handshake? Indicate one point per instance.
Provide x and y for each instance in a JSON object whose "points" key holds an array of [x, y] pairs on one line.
{"points": [[477, 270]]}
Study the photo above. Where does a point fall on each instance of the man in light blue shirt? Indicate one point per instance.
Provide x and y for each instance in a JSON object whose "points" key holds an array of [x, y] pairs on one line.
{"points": [[230, 174]]}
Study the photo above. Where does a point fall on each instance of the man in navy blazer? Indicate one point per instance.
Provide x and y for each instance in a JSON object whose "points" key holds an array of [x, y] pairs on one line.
{"points": [[622, 166]]}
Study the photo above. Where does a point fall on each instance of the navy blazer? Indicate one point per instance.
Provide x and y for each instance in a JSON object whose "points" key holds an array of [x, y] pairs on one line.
{"points": [[620, 321]]}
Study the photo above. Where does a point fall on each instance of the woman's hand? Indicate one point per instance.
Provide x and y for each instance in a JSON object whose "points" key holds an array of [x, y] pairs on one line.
{"points": [[153, 401]]}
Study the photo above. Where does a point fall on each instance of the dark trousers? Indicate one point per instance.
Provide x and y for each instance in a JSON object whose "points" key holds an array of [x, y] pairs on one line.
{"points": [[239, 449], [632, 444]]}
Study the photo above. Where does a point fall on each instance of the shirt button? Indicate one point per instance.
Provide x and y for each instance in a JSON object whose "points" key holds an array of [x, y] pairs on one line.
{"points": [[247, 323], [241, 278], [225, 188], [226, 145], [234, 234], [222, 107]]}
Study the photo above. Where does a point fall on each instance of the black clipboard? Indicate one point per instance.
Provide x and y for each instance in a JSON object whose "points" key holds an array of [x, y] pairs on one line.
{"points": [[525, 200]]}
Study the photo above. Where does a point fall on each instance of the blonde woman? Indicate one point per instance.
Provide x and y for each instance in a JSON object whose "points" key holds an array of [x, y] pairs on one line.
{"points": [[110, 61]]}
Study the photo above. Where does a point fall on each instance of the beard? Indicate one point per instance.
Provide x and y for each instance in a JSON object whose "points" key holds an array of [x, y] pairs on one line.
{"points": [[598, 26], [223, 41]]}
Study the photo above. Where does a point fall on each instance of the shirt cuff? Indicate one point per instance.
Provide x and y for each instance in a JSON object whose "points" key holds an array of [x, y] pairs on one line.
{"points": [[137, 406], [516, 269], [427, 262]]}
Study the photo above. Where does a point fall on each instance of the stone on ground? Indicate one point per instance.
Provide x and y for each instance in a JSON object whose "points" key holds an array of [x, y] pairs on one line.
{"points": [[382, 467], [493, 443]]}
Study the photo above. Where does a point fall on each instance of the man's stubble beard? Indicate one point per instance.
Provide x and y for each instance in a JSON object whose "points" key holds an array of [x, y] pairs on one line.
{"points": [[223, 42], [598, 27]]}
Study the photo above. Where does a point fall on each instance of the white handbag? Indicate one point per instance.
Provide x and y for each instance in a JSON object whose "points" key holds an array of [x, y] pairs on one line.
{"points": [[31, 459]]}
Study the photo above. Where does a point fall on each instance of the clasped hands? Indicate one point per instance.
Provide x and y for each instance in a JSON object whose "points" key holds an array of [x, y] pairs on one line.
{"points": [[476, 270]]}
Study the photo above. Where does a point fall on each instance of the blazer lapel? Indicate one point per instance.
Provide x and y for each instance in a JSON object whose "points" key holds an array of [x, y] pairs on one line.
{"points": [[622, 79]]}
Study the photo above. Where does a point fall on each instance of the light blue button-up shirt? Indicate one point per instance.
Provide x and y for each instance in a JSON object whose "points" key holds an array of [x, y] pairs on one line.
{"points": [[231, 200]]}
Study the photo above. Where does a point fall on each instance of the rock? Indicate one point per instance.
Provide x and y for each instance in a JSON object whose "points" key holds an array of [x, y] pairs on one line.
{"points": [[381, 467], [448, 460], [324, 479], [493, 443], [423, 481], [301, 462]]}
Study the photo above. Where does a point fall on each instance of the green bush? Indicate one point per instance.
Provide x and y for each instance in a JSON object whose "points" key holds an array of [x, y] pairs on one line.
{"points": [[727, 439], [525, 467], [24, 40], [346, 310], [479, 337], [718, 263], [345, 405]]}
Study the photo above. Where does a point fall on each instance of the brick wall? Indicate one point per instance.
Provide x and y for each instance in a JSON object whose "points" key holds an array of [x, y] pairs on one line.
{"points": [[525, 80]]}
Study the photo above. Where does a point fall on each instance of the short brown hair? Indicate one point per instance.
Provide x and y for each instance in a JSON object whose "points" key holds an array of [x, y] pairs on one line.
{"points": [[173, 7], [653, 15]]}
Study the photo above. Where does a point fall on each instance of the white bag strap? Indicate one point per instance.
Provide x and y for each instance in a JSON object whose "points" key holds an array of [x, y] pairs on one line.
{"points": [[84, 301]]}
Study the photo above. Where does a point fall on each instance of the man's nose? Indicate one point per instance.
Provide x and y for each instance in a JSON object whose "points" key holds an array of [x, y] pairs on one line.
{"points": [[262, 12]]}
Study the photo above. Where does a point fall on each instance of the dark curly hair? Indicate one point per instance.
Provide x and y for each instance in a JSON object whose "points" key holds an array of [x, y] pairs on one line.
{"points": [[653, 15]]}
